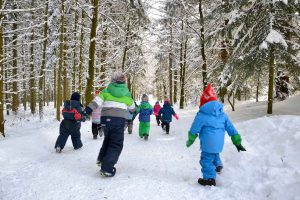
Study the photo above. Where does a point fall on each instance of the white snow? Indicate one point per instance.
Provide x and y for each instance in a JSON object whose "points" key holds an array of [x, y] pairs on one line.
{"points": [[275, 37], [161, 168]]}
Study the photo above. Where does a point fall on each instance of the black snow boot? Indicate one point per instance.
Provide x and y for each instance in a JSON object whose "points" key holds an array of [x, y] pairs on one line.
{"points": [[209, 182], [219, 169], [58, 149], [146, 137], [95, 137], [108, 174]]}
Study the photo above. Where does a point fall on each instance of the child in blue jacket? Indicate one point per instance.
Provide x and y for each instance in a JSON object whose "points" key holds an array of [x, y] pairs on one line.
{"points": [[144, 110], [166, 114], [210, 124]]}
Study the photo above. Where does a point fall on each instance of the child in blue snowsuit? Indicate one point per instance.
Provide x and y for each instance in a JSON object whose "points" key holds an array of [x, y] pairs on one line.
{"points": [[165, 115], [71, 123], [210, 124]]}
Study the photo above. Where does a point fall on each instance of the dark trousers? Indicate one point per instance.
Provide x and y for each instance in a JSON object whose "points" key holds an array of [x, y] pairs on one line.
{"points": [[69, 127], [166, 125], [96, 129], [158, 120], [129, 125], [112, 146]]}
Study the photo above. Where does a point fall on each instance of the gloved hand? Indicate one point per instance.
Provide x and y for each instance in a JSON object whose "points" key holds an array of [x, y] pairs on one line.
{"points": [[191, 139], [237, 141], [176, 117], [86, 113], [83, 118]]}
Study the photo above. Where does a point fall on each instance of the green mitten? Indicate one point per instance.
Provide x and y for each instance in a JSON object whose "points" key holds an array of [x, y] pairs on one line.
{"points": [[191, 139], [237, 141]]}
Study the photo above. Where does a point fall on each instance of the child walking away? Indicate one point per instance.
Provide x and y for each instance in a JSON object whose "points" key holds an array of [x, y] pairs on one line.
{"points": [[114, 100], [210, 124], [156, 110], [71, 123], [165, 115], [129, 119], [96, 122], [144, 110]]}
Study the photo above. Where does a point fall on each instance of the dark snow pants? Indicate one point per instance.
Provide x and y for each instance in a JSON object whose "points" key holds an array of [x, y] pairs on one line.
{"points": [[113, 128], [166, 126], [129, 125], [157, 119], [69, 127], [96, 129]]}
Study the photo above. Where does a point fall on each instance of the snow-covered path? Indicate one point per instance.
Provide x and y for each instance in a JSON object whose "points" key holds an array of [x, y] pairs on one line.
{"points": [[161, 168]]}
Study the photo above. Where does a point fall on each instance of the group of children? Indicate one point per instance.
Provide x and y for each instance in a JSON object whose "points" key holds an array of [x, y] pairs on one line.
{"points": [[113, 110]]}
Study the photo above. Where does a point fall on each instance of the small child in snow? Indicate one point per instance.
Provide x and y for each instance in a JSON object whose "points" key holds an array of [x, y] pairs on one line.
{"points": [[96, 121], [129, 120], [156, 110], [144, 110], [165, 114], [210, 124], [70, 125]]}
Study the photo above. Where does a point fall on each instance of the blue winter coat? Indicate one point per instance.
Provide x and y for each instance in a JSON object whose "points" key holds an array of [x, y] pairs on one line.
{"points": [[166, 113], [210, 123], [145, 110]]}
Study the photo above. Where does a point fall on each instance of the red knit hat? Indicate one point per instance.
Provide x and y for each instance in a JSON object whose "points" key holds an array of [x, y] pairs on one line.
{"points": [[208, 95]]}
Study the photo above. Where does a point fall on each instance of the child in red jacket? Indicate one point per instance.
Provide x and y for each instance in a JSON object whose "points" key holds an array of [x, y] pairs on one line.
{"points": [[156, 110]]}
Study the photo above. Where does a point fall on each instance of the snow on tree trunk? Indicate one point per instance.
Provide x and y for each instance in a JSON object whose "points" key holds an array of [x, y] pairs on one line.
{"points": [[202, 46], [91, 73], [32, 69], [60, 66], [15, 102], [42, 78], [2, 120]]}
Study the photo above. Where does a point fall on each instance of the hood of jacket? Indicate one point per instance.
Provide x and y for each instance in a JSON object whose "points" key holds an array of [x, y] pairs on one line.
{"points": [[212, 108], [118, 90]]}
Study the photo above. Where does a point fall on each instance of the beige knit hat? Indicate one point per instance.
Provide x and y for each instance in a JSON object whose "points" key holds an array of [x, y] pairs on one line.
{"points": [[118, 77]]}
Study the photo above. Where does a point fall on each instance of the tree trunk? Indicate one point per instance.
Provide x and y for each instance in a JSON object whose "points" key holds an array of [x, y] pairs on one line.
{"points": [[231, 103], [271, 79], [2, 120], [171, 64], [126, 47], [257, 87], [202, 46], [42, 78], [15, 102], [74, 54], [103, 58], [32, 70], [32, 77], [55, 85], [183, 72], [61, 55], [90, 79], [81, 53]]}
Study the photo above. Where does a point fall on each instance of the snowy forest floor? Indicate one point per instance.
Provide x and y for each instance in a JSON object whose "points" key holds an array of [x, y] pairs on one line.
{"points": [[161, 168]]}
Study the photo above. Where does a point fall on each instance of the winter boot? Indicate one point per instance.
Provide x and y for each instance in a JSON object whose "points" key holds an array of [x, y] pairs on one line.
{"points": [[129, 132], [146, 137], [100, 133], [209, 182], [108, 174], [58, 149], [95, 137], [99, 163], [219, 169]]}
